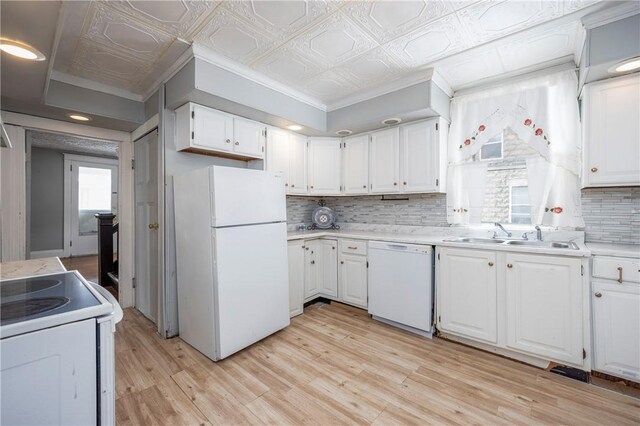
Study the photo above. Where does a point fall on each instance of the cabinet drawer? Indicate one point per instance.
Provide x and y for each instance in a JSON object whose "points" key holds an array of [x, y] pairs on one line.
{"points": [[353, 247], [617, 268]]}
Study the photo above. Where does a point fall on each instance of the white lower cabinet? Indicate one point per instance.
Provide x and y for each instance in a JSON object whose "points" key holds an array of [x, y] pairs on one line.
{"points": [[296, 255], [523, 303], [328, 270], [616, 328], [544, 306], [352, 273], [467, 293], [311, 267]]}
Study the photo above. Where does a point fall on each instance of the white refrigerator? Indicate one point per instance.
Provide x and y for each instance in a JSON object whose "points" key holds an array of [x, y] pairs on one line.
{"points": [[231, 249]]}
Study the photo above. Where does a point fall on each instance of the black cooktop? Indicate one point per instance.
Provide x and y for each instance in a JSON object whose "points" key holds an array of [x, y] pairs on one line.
{"points": [[36, 297]]}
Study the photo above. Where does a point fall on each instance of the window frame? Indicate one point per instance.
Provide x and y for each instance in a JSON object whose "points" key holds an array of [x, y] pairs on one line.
{"points": [[501, 142], [518, 184]]}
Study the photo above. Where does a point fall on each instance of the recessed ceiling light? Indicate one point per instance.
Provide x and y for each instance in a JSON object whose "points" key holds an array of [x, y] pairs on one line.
{"points": [[21, 50], [626, 65], [294, 127], [344, 132], [391, 121], [78, 117]]}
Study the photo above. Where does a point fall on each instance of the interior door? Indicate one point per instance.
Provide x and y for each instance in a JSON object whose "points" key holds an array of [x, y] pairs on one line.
{"points": [[146, 215], [93, 187]]}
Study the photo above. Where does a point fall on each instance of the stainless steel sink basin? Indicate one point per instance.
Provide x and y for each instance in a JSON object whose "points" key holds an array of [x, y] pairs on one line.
{"points": [[526, 243], [476, 240], [550, 244]]}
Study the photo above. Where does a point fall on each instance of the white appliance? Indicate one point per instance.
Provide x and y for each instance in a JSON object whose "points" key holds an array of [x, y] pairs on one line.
{"points": [[401, 285], [231, 249], [57, 359]]}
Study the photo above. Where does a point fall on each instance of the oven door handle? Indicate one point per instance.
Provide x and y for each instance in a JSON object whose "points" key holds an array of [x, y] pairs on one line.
{"points": [[117, 310]]}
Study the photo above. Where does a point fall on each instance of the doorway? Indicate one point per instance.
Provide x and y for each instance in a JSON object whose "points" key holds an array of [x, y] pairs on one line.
{"points": [[146, 220], [91, 187]]}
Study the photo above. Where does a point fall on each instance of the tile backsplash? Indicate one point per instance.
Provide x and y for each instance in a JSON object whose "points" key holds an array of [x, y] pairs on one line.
{"points": [[610, 214]]}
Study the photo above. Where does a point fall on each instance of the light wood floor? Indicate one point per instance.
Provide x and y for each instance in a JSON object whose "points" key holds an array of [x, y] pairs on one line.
{"points": [[334, 365]]}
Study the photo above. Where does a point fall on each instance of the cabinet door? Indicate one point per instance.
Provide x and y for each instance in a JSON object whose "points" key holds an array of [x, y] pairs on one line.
{"points": [[353, 279], [212, 130], [544, 306], [324, 166], [467, 293], [384, 152], [278, 153], [616, 329], [612, 132], [312, 270], [419, 148], [49, 376], [248, 137], [329, 265], [296, 257], [297, 164], [355, 164]]}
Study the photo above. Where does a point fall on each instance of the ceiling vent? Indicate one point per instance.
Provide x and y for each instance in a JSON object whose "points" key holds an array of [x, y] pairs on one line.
{"points": [[391, 121], [344, 132]]}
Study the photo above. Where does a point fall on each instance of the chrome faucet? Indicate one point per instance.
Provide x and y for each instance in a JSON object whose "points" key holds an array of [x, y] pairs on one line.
{"points": [[495, 233], [538, 233]]}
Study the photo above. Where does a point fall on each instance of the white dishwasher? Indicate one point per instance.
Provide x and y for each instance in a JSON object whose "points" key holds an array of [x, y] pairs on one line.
{"points": [[401, 285]]}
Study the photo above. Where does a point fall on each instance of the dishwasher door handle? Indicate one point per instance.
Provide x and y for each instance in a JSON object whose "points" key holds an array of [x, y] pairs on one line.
{"points": [[397, 246]]}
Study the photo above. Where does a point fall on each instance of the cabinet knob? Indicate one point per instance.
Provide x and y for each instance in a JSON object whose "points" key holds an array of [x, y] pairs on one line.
{"points": [[364, 186], [293, 186], [311, 186], [342, 262], [333, 247], [594, 169], [404, 183], [313, 262], [395, 183], [237, 143], [509, 265], [598, 294], [228, 140], [490, 263], [286, 184]]}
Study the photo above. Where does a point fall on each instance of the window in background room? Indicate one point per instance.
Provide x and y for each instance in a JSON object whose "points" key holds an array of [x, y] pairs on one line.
{"points": [[94, 196], [519, 205]]}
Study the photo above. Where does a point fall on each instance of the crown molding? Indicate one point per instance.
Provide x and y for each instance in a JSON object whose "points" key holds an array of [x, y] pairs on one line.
{"points": [[213, 58], [611, 14], [93, 85], [374, 92]]}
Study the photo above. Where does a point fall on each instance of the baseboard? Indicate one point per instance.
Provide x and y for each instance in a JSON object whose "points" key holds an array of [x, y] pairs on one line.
{"points": [[46, 253]]}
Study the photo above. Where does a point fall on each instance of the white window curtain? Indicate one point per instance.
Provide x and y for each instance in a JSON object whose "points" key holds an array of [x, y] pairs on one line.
{"points": [[543, 112]]}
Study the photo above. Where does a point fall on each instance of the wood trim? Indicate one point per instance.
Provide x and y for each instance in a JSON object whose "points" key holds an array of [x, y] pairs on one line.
{"points": [[13, 193]]}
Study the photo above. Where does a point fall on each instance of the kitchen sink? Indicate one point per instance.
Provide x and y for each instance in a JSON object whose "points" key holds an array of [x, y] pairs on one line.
{"points": [[476, 240], [550, 244], [526, 243]]}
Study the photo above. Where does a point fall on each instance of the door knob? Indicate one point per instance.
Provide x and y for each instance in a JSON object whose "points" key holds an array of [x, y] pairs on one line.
{"points": [[153, 226], [598, 294]]}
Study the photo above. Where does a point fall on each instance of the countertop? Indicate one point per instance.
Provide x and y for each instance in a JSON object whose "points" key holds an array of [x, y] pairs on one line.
{"points": [[436, 240], [28, 268], [614, 249]]}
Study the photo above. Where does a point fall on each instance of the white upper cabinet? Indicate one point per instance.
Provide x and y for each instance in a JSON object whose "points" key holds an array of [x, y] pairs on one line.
{"points": [[355, 165], [324, 166], [278, 153], [384, 170], [248, 137], [297, 164], [202, 129], [544, 306], [422, 151], [612, 132]]}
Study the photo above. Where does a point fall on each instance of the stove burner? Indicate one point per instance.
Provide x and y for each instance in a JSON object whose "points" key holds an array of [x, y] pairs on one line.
{"points": [[16, 288], [29, 307]]}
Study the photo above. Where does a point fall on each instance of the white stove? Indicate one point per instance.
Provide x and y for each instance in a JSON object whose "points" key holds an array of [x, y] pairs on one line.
{"points": [[57, 350]]}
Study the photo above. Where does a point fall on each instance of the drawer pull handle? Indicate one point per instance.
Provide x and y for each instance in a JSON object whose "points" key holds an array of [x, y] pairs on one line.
{"points": [[509, 265], [620, 274], [598, 294], [352, 248]]}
